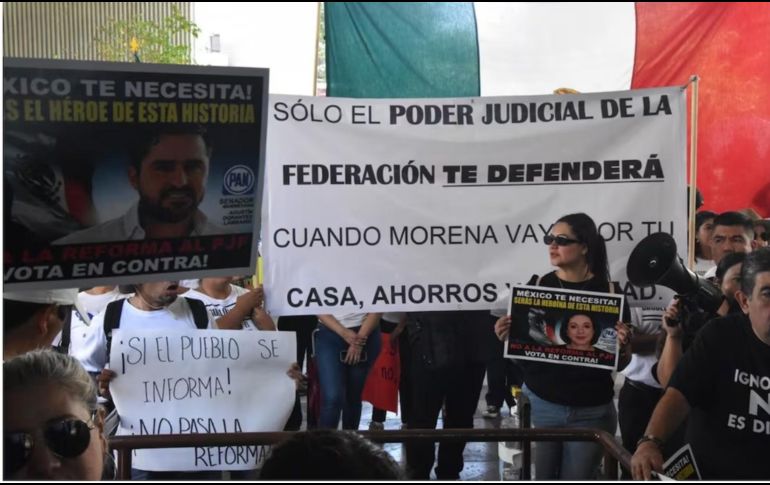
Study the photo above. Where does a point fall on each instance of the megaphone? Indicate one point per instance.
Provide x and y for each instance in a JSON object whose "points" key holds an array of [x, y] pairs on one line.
{"points": [[654, 261]]}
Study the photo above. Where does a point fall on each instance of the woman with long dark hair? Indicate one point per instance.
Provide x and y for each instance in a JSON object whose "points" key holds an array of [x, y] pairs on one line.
{"points": [[567, 396]]}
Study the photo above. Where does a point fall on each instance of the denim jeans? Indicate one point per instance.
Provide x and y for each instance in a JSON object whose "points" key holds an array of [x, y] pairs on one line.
{"points": [[569, 460], [342, 384]]}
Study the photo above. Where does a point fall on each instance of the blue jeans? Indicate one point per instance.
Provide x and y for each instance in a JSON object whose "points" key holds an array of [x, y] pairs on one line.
{"points": [[342, 384], [569, 460]]}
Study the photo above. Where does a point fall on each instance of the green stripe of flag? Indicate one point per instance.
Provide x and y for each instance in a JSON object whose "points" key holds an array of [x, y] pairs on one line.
{"points": [[401, 50]]}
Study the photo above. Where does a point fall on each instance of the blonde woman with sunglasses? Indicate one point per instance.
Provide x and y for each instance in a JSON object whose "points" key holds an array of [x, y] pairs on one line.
{"points": [[52, 426]]}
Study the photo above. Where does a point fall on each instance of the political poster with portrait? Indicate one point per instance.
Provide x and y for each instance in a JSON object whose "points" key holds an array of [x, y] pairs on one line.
{"points": [[564, 326], [439, 204], [201, 382], [121, 173]]}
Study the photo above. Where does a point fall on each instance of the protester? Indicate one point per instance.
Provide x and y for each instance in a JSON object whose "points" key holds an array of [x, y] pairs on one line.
{"points": [[450, 351], [568, 395], [52, 426], [346, 346], [32, 319], [762, 233], [720, 385], [704, 228], [233, 307], [73, 339], [733, 233]]}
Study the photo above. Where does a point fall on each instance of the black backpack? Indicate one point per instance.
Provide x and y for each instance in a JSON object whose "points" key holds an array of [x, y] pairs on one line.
{"points": [[115, 309]]}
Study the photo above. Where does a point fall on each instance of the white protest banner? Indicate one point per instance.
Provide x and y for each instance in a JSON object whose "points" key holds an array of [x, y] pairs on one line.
{"points": [[202, 381], [124, 173], [440, 204]]}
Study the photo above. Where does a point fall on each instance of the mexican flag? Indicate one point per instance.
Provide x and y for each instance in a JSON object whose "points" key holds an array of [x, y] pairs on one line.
{"points": [[422, 49]]}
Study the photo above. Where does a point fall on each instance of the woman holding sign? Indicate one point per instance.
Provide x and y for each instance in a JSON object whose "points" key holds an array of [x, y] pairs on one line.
{"points": [[571, 396]]}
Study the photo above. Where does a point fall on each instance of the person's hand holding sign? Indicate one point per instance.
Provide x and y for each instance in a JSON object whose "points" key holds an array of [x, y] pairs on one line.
{"points": [[503, 327]]}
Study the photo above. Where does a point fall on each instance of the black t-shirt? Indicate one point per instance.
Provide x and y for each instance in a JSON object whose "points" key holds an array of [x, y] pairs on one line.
{"points": [[725, 376], [572, 385]]}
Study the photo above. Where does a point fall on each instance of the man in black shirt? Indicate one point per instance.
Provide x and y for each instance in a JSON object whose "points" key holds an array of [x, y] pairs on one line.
{"points": [[723, 383]]}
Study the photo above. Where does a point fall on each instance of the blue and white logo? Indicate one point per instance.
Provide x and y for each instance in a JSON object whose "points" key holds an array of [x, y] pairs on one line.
{"points": [[239, 180]]}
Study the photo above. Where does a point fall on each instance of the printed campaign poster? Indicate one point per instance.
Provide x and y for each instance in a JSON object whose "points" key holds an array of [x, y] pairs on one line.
{"points": [[681, 465], [198, 382], [564, 326], [130, 172]]}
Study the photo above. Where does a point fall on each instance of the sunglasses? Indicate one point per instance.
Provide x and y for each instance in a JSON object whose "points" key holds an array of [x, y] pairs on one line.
{"points": [[559, 240], [67, 438]]}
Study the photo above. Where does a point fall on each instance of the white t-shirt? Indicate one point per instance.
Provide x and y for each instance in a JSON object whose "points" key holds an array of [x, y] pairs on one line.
{"points": [[645, 321], [350, 320], [176, 316], [95, 304], [218, 308], [80, 330], [393, 317]]}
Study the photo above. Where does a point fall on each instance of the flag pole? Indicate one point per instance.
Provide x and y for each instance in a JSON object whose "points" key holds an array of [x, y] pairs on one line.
{"points": [[317, 41], [694, 80]]}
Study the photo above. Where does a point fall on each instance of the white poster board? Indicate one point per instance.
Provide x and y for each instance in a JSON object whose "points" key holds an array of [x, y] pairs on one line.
{"points": [[440, 204], [201, 381]]}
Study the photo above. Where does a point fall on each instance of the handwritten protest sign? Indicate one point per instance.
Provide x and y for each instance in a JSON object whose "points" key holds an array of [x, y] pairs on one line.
{"points": [[120, 172], [439, 204], [564, 326], [204, 381]]}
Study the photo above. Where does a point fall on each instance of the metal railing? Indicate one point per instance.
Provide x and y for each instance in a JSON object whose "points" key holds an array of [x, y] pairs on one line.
{"points": [[614, 453]]}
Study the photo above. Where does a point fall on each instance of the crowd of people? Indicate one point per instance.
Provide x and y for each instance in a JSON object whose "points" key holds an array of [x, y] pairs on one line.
{"points": [[691, 376]]}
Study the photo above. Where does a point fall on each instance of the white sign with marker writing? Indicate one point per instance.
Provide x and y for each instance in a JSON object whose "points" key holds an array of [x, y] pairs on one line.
{"points": [[201, 381]]}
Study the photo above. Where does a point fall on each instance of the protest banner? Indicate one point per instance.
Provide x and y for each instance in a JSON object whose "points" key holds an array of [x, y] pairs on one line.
{"points": [[442, 204], [204, 381], [681, 465], [120, 173], [564, 326]]}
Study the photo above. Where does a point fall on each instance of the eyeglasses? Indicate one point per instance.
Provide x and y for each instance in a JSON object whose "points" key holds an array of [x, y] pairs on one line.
{"points": [[67, 438], [559, 240]]}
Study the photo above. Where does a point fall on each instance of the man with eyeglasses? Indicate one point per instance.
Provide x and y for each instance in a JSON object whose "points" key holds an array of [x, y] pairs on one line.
{"points": [[32, 319]]}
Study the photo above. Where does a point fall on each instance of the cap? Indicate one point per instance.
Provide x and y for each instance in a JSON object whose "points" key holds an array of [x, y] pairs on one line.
{"points": [[68, 296]]}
